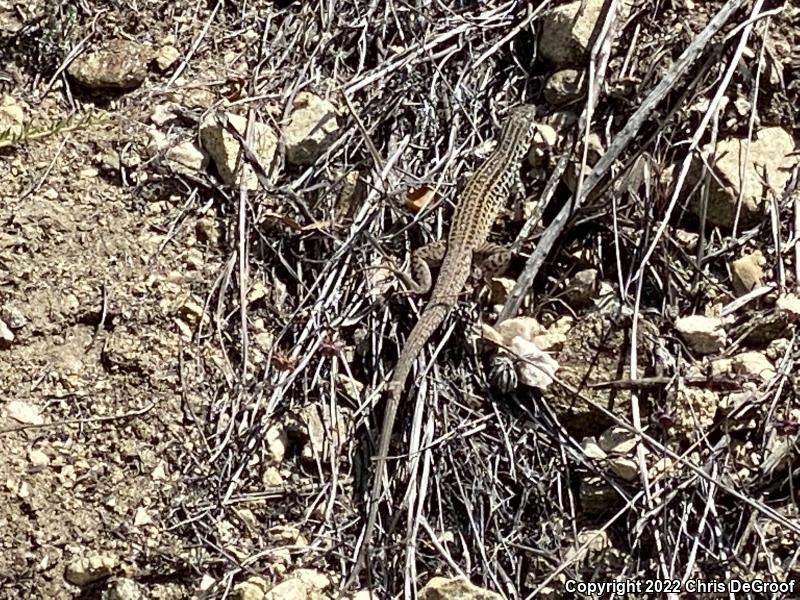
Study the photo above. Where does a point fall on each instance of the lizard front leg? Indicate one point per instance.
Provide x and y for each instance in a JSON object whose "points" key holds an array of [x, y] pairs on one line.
{"points": [[420, 281]]}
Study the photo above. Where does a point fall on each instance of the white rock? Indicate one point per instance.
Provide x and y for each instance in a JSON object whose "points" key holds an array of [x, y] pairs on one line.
{"points": [[747, 272], [591, 449], [704, 335], [86, 570], [617, 440], [544, 140], [311, 130], [524, 327], [167, 56], [187, 157], [582, 287], [124, 589], [226, 152], [10, 313], [272, 477], [25, 413], [564, 86], [290, 589], [6, 335], [38, 458], [789, 303], [164, 113], [253, 588], [625, 468], [277, 440], [753, 363], [142, 517], [535, 368], [769, 166], [444, 588], [313, 579]]}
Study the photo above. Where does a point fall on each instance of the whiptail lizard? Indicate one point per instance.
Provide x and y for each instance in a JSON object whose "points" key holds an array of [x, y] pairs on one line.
{"points": [[477, 208]]}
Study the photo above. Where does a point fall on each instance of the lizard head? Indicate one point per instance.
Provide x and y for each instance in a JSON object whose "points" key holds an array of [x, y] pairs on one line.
{"points": [[518, 128]]}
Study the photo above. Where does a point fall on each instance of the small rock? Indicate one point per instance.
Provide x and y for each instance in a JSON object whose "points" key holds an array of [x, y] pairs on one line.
{"points": [[191, 312], [124, 589], [207, 231], [625, 468], [788, 303], [582, 288], [109, 162], [226, 152], [206, 581], [776, 349], [524, 327], [617, 440], [545, 139], [277, 440], [688, 240], [122, 65], [590, 542], [535, 367], [567, 30], [253, 588], [311, 130], [11, 314], [187, 157], [443, 588], [769, 167], [753, 363], [564, 86], [164, 113], [272, 477], [38, 458], [25, 413], [747, 272], [314, 429], [24, 490], [704, 335], [290, 589], [12, 116], [660, 467], [159, 473], [142, 517], [500, 288], [721, 367], [167, 56], [281, 558], [313, 579], [157, 142], [86, 570], [591, 449], [6, 335]]}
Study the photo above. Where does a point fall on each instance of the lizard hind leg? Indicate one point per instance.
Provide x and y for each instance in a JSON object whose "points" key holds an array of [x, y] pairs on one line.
{"points": [[491, 260]]}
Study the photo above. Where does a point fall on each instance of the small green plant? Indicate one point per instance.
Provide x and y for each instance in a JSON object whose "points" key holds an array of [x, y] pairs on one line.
{"points": [[15, 135]]}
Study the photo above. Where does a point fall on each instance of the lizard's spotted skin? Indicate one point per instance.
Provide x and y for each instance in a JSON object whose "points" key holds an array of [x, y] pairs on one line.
{"points": [[476, 210]]}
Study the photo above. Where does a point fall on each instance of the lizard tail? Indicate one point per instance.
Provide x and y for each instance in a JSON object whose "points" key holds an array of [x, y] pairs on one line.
{"points": [[429, 321]]}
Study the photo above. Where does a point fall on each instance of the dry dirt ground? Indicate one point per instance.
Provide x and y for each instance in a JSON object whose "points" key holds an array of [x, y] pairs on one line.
{"points": [[115, 287]]}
